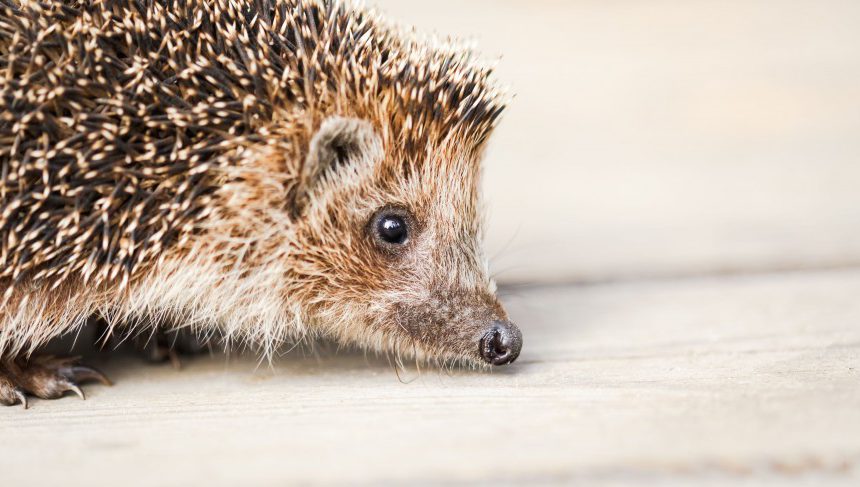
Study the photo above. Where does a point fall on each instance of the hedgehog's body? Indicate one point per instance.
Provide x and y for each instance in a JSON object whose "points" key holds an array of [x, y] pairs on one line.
{"points": [[241, 166]]}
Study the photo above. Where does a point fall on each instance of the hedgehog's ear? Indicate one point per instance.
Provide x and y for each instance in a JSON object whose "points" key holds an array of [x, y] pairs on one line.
{"points": [[340, 144]]}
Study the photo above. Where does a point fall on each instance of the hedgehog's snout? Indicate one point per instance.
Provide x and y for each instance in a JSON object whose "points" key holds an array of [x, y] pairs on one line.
{"points": [[501, 343]]}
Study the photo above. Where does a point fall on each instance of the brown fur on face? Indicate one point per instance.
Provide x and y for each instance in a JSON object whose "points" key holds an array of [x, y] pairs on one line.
{"points": [[432, 297], [216, 165]]}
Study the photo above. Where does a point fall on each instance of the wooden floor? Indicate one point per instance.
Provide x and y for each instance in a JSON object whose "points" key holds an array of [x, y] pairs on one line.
{"points": [[752, 380], [648, 141]]}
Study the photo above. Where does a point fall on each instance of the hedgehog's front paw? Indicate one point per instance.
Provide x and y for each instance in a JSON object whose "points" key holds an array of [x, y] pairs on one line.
{"points": [[171, 346], [46, 377]]}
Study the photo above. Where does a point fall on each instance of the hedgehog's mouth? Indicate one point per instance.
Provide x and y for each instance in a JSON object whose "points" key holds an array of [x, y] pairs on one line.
{"points": [[497, 344], [466, 327]]}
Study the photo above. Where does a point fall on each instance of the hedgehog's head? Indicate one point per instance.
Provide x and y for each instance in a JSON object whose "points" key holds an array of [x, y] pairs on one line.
{"points": [[389, 246]]}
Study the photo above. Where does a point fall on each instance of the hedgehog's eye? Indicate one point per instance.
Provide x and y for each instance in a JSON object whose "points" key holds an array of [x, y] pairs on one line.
{"points": [[390, 228]]}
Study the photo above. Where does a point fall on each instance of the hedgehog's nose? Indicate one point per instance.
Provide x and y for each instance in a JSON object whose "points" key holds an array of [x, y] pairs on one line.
{"points": [[501, 344]]}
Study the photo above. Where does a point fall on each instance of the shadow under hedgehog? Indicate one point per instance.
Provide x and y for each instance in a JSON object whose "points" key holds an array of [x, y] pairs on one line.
{"points": [[269, 170]]}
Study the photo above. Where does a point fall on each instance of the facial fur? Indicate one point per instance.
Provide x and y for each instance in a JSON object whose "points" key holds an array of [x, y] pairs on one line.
{"points": [[429, 296], [233, 190]]}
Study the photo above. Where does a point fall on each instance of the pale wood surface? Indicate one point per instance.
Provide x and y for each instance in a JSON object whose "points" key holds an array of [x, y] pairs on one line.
{"points": [[652, 138], [752, 380]]}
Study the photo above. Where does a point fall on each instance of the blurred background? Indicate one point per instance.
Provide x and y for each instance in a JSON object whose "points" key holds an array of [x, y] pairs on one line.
{"points": [[666, 138]]}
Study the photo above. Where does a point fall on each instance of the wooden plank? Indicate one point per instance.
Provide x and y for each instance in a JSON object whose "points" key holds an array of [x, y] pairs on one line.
{"points": [[750, 380]]}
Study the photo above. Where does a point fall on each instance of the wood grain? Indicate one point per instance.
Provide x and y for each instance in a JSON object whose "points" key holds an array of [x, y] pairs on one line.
{"points": [[647, 139], [722, 380]]}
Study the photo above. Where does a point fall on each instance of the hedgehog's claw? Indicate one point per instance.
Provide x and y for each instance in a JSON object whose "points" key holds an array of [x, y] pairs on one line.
{"points": [[81, 373], [77, 390], [22, 398], [10, 394], [46, 377]]}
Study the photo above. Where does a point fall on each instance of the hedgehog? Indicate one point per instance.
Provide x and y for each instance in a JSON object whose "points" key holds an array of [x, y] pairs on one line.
{"points": [[263, 171]]}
